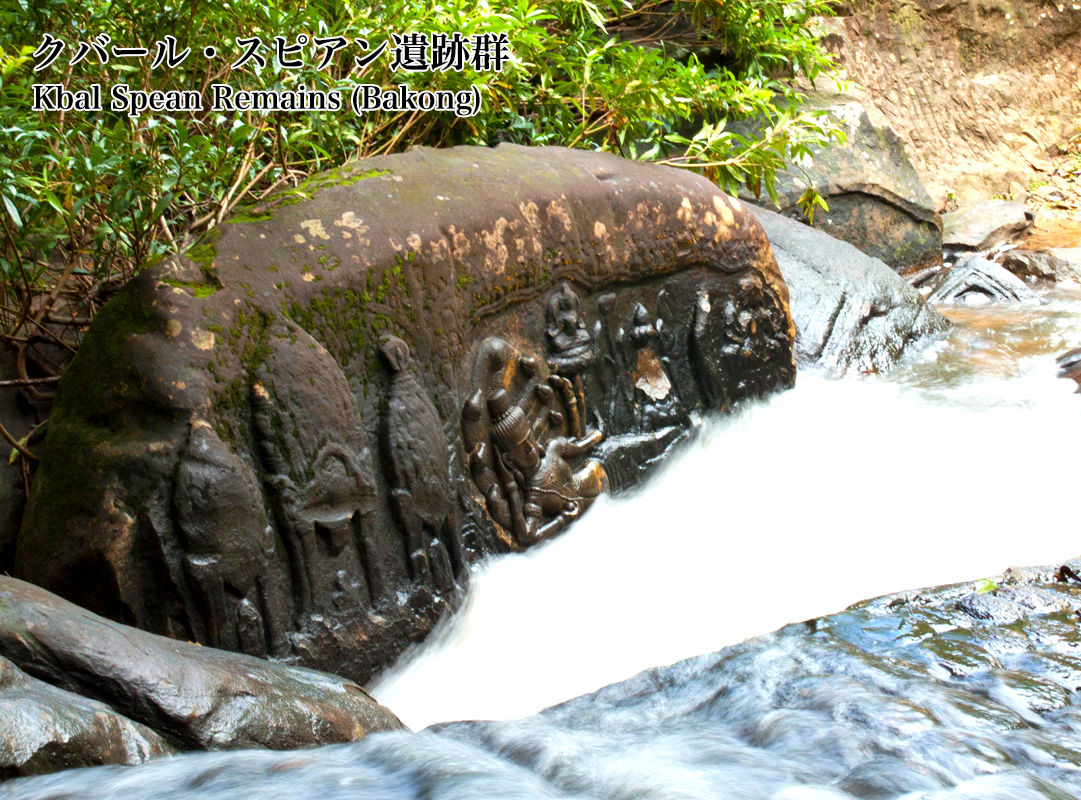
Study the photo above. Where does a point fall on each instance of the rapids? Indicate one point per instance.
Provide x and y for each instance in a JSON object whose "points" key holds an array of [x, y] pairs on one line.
{"points": [[954, 467]]}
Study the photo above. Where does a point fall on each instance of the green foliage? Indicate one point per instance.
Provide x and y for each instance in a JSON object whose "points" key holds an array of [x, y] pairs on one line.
{"points": [[99, 195]]}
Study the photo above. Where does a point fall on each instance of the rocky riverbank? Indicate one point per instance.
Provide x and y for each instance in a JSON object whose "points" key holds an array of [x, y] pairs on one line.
{"points": [[79, 690], [962, 691]]}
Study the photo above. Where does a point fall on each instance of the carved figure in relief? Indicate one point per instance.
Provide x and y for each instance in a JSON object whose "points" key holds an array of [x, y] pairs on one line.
{"points": [[655, 403], [319, 475], [521, 452], [227, 545], [570, 345], [420, 491]]}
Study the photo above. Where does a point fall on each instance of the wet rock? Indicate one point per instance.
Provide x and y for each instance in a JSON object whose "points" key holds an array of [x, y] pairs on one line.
{"points": [[905, 696], [1069, 366], [46, 729], [876, 200], [993, 608], [1041, 266], [293, 440], [981, 226], [197, 696], [975, 281], [851, 311]]}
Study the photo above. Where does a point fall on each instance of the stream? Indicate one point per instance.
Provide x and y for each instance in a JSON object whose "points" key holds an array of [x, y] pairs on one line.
{"points": [[952, 468], [832, 493]]}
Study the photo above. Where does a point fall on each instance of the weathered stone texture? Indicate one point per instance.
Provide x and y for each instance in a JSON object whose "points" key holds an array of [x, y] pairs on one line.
{"points": [[979, 91]]}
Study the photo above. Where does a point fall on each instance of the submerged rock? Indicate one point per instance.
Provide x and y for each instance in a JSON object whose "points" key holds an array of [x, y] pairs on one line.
{"points": [[45, 729], [977, 281], [851, 311], [953, 693], [293, 440], [981, 226], [197, 696]]}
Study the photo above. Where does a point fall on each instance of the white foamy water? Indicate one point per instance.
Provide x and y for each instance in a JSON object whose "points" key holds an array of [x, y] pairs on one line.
{"points": [[958, 466]]}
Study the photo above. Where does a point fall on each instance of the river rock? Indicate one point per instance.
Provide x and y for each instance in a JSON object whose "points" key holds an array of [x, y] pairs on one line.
{"points": [[981, 226], [851, 311], [293, 440], [1069, 366], [1071, 257], [1042, 266], [46, 729], [876, 200], [978, 281], [200, 697]]}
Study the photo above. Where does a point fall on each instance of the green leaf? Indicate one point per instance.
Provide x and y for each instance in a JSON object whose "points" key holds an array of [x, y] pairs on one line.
{"points": [[12, 212], [15, 451]]}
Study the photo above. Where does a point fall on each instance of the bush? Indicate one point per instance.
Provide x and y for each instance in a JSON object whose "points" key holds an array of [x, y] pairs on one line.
{"points": [[93, 197]]}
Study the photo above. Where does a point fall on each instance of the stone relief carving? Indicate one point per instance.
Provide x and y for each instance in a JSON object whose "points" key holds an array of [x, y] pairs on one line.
{"points": [[320, 479], [417, 475], [570, 345], [523, 452], [736, 341], [654, 402], [227, 543]]}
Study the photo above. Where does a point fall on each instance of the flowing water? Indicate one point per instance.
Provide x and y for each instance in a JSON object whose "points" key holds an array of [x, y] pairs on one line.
{"points": [[959, 464], [953, 467]]}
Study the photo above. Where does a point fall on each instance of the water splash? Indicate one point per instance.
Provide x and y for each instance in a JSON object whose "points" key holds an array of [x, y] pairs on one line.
{"points": [[955, 467]]}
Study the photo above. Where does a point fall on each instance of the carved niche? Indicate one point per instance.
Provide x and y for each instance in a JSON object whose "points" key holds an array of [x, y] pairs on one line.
{"points": [[319, 477]]}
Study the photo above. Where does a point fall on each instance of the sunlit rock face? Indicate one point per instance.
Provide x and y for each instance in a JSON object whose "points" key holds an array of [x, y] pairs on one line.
{"points": [[293, 441]]}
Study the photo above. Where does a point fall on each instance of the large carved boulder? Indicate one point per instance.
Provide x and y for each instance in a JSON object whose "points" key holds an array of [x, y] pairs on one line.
{"points": [[293, 440]]}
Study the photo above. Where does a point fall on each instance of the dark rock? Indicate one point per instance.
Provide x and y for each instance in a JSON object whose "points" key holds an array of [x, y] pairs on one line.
{"points": [[1069, 366], [1041, 266], [45, 729], [293, 440], [981, 226], [977, 281], [200, 697], [851, 311], [876, 200]]}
